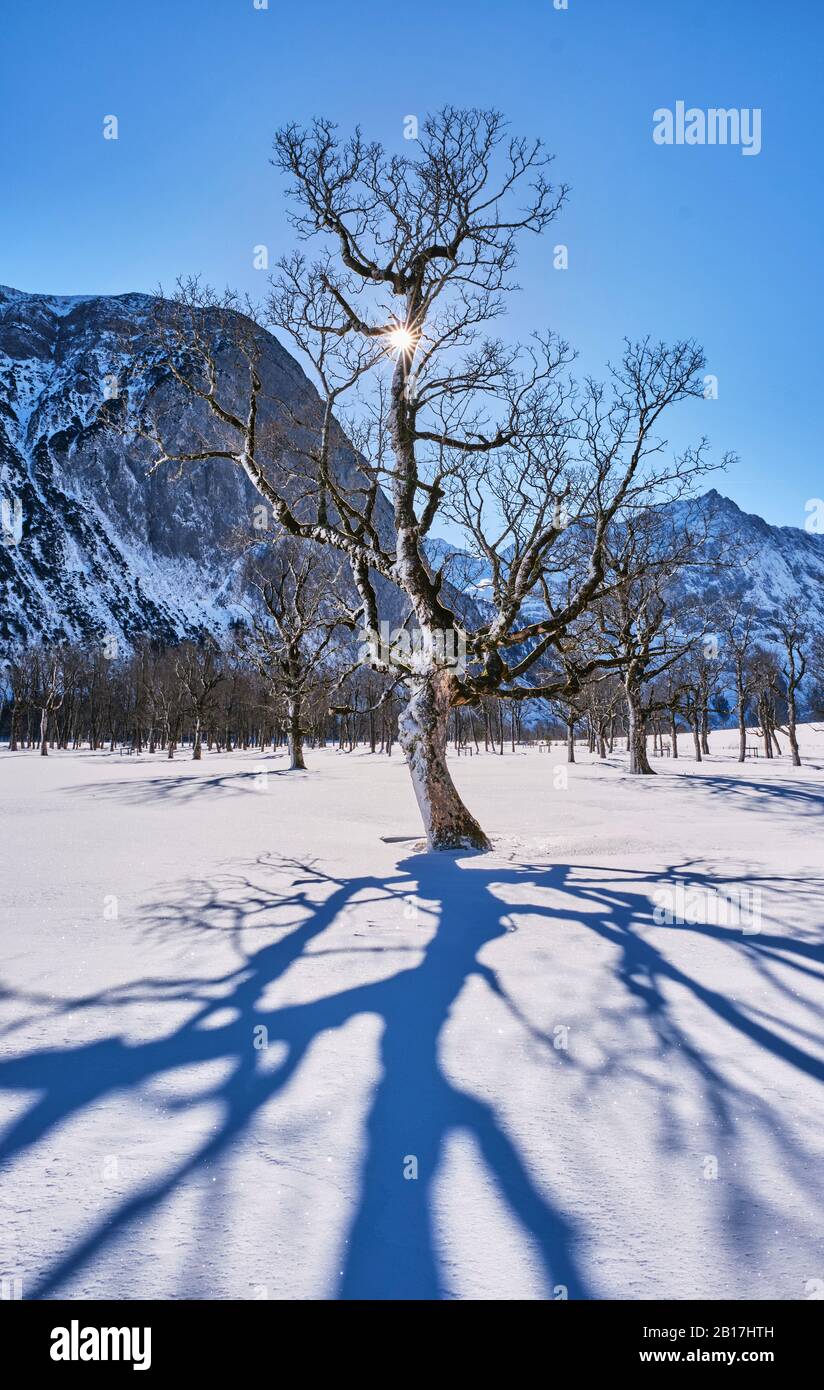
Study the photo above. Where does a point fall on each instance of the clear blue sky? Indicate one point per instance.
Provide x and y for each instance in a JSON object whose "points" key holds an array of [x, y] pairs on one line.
{"points": [[694, 241]]}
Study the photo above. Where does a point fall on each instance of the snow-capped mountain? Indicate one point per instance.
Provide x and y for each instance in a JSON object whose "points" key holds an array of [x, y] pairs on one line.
{"points": [[90, 542], [767, 565]]}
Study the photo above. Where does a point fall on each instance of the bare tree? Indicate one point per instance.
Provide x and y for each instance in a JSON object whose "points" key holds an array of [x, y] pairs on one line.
{"points": [[700, 674], [793, 631], [199, 672], [815, 698], [418, 257], [737, 628], [601, 698], [49, 690], [766, 681], [293, 636], [638, 626], [18, 674]]}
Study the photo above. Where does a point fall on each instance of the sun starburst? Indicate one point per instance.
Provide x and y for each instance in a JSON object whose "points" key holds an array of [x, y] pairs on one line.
{"points": [[402, 340]]}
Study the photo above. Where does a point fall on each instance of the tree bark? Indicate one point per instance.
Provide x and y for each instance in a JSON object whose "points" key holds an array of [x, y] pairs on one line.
{"points": [[639, 764], [765, 727], [705, 730], [422, 727], [696, 736], [742, 728], [295, 737]]}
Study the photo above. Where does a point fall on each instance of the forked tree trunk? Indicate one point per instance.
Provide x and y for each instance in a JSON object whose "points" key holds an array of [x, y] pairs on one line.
{"points": [[639, 764], [765, 727], [705, 731], [422, 727]]}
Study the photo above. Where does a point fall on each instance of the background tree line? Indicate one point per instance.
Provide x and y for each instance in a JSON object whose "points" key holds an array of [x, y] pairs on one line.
{"points": [[291, 676]]}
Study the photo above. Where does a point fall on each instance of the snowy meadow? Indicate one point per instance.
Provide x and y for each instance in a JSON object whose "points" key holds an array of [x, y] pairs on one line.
{"points": [[257, 1042], [413, 768]]}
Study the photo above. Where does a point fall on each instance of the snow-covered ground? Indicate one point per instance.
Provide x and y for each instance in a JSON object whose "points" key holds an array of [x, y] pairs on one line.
{"points": [[306, 1060]]}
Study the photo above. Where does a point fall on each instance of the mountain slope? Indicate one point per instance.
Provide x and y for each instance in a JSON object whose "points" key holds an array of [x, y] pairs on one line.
{"points": [[93, 543], [767, 564]]}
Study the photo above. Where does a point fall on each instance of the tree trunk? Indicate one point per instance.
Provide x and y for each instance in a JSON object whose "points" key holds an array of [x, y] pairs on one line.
{"points": [[765, 727], [295, 738], [696, 736], [197, 751], [796, 756], [422, 727], [742, 729], [674, 733], [44, 733], [570, 743], [639, 764]]}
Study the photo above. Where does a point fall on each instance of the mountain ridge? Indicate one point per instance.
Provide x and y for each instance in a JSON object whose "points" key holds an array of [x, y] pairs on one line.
{"points": [[107, 547]]}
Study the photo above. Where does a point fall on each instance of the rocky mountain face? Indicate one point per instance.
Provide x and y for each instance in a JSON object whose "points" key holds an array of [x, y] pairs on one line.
{"points": [[768, 565], [91, 542]]}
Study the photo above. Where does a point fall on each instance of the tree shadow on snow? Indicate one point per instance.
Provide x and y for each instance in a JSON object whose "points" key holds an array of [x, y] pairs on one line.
{"points": [[188, 782], [390, 1249], [771, 795]]}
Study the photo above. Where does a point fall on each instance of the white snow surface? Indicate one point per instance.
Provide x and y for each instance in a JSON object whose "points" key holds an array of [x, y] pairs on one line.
{"points": [[415, 1008]]}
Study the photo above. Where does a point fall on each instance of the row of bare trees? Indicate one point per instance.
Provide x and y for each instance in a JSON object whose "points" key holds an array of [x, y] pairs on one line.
{"points": [[194, 694], [290, 675], [676, 675], [248, 694]]}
